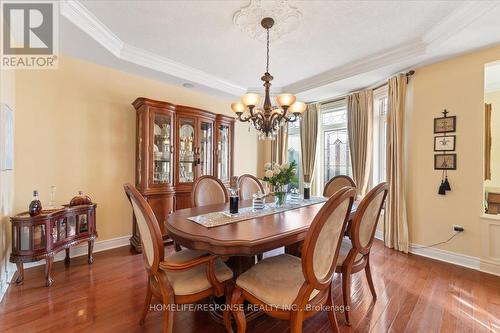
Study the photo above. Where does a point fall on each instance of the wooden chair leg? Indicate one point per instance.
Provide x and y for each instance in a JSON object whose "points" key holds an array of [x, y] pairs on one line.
{"points": [[177, 247], [168, 320], [370, 279], [227, 310], [296, 319], [147, 302], [331, 313], [346, 294], [237, 310]]}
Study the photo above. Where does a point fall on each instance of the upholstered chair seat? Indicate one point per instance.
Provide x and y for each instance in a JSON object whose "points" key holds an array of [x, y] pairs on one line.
{"points": [[194, 280], [345, 247], [275, 280]]}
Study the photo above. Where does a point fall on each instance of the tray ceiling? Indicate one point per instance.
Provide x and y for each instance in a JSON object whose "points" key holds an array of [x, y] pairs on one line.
{"points": [[337, 46]]}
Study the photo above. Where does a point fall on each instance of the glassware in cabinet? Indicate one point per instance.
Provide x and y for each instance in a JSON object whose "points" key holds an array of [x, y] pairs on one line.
{"points": [[206, 148], [187, 158], [223, 158], [162, 148]]}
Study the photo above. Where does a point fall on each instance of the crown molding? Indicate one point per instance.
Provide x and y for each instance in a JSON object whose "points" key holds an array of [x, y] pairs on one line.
{"points": [[364, 65], [84, 19], [153, 61], [460, 18]]}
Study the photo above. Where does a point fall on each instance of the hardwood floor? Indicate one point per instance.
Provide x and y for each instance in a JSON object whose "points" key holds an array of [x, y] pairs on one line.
{"points": [[415, 294]]}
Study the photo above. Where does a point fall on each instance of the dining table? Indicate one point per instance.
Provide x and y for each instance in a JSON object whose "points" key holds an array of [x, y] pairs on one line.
{"points": [[241, 241]]}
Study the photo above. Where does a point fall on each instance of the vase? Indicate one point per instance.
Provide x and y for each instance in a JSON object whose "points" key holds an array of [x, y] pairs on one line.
{"points": [[280, 195]]}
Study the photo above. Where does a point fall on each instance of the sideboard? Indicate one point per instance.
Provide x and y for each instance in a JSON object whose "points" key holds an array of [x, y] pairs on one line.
{"points": [[40, 237]]}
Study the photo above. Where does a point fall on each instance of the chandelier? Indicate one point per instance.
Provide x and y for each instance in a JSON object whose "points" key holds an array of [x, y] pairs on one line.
{"points": [[267, 119]]}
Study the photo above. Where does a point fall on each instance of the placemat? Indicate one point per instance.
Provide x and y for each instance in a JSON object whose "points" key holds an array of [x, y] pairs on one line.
{"points": [[216, 219]]}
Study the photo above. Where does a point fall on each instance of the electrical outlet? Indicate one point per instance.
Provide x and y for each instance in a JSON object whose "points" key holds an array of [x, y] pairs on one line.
{"points": [[458, 228]]}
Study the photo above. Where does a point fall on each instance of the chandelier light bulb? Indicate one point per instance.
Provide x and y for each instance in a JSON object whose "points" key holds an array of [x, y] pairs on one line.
{"points": [[298, 107], [285, 100], [238, 107], [250, 99]]}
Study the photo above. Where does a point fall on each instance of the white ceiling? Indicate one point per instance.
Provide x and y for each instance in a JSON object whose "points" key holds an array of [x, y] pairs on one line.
{"points": [[339, 46]]}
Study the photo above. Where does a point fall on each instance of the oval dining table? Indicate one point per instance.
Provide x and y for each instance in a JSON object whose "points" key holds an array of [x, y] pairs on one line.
{"points": [[242, 241]]}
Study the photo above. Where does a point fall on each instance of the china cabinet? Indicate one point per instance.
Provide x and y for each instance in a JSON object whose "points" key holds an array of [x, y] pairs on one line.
{"points": [[175, 145], [42, 236]]}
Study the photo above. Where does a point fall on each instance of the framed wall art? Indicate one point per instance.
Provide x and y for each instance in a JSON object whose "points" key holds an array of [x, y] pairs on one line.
{"points": [[444, 143], [445, 161], [445, 124]]}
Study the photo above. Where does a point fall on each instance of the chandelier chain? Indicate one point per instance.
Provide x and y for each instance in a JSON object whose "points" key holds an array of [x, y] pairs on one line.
{"points": [[267, 62]]}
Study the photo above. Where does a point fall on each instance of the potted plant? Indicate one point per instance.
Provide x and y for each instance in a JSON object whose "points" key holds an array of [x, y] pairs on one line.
{"points": [[280, 176]]}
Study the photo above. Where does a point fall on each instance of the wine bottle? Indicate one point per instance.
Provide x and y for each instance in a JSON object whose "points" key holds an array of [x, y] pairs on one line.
{"points": [[35, 207]]}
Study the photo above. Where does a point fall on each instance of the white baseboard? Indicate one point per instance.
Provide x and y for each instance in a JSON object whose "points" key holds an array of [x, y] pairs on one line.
{"points": [[82, 249], [4, 283], [483, 265]]}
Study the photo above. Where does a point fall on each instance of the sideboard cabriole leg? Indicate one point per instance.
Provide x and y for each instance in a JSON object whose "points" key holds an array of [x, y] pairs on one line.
{"points": [[48, 271], [67, 259], [20, 272], [91, 252]]}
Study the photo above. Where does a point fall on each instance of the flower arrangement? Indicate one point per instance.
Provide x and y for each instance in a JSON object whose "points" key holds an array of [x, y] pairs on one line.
{"points": [[280, 176]]}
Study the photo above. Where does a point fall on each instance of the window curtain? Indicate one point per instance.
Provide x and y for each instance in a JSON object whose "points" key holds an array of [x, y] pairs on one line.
{"points": [[396, 224], [359, 128], [279, 146], [308, 140], [487, 141]]}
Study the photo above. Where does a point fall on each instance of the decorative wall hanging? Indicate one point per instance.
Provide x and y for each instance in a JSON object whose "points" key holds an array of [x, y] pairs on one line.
{"points": [[444, 143], [445, 124], [445, 161]]}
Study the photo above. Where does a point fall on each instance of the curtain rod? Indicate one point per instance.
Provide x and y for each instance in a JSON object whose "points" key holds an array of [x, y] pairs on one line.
{"points": [[372, 87]]}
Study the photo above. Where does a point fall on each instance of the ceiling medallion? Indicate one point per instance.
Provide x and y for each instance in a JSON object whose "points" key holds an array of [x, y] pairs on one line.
{"points": [[265, 117], [248, 19]]}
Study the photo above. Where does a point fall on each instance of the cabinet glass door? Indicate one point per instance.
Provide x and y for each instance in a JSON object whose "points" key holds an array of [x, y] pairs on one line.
{"points": [[186, 151], [223, 153], [206, 148], [162, 149]]}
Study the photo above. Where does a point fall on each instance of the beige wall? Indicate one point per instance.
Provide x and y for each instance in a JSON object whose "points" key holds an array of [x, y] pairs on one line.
{"points": [[7, 96], [457, 85], [493, 98], [75, 128]]}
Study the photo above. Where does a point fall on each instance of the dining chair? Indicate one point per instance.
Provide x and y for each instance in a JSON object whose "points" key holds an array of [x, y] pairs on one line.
{"points": [[291, 288], [184, 277], [249, 185], [208, 190], [336, 183], [354, 253]]}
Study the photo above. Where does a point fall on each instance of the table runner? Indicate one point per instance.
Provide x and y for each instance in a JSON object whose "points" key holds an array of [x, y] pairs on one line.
{"points": [[216, 219]]}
